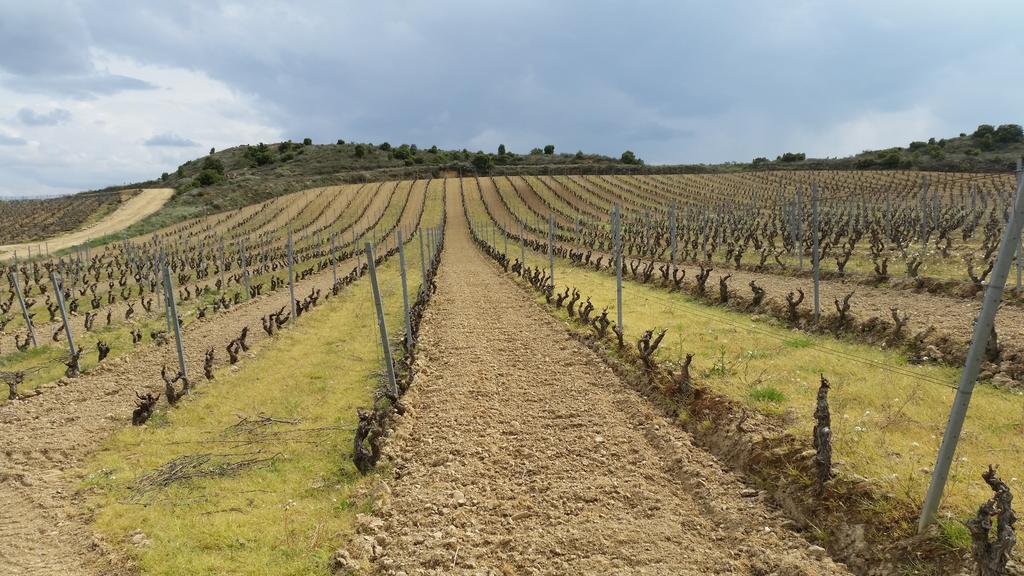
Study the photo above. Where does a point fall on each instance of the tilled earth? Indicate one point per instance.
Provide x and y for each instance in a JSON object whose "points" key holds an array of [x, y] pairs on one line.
{"points": [[43, 527], [521, 453], [46, 437], [951, 316]]}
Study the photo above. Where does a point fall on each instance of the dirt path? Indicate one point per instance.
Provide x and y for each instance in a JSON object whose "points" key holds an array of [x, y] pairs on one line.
{"points": [[523, 454], [138, 207]]}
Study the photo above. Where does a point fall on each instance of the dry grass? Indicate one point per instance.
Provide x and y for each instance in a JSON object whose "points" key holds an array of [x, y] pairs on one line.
{"points": [[285, 515]]}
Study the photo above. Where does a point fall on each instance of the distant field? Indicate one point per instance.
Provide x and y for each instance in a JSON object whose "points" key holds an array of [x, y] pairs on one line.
{"points": [[39, 224]]}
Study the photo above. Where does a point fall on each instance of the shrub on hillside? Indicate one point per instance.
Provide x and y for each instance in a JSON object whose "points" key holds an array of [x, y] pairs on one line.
{"points": [[628, 157], [983, 131], [209, 177], [1009, 134], [214, 164], [483, 163], [403, 152], [259, 155], [888, 158]]}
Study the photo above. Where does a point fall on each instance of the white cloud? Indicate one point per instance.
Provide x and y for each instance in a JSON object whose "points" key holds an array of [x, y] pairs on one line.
{"points": [[101, 141], [873, 130]]}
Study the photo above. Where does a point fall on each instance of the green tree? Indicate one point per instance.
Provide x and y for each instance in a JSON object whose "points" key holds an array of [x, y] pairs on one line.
{"points": [[1009, 134], [501, 149], [209, 177], [483, 162], [792, 157], [164, 177], [259, 155], [549, 149], [212, 151], [213, 164], [181, 171], [628, 157], [403, 152], [536, 152], [360, 151], [340, 141], [983, 130], [307, 141], [889, 158], [759, 160], [385, 146]]}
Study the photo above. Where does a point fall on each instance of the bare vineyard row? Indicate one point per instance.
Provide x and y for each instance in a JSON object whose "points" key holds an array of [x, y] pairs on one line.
{"points": [[116, 293]]}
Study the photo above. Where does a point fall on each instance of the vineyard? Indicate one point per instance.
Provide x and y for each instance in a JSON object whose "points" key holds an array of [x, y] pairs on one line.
{"points": [[28, 220], [453, 375]]}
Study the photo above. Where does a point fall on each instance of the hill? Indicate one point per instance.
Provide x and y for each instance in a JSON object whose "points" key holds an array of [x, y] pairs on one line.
{"points": [[988, 149], [246, 174]]}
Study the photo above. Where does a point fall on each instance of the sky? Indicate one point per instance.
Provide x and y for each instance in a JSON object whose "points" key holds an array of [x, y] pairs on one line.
{"points": [[105, 92]]}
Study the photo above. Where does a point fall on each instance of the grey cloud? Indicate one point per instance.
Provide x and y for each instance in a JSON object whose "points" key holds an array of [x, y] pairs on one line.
{"points": [[46, 47], [594, 76], [673, 81], [78, 87], [170, 139], [30, 117], [6, 140], [44, 38]]}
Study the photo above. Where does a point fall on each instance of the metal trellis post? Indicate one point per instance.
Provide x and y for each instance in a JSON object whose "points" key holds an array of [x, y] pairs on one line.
{"points": [[972, 365], [59, 294], [13, 275], [617, 246], [405, 292], [291, 276], [816, 262], [389, 367], [172, 310], [551, 248]]}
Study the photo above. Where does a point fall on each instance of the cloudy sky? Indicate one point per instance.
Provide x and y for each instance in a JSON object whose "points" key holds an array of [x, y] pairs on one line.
{"points": [[100, 92]]}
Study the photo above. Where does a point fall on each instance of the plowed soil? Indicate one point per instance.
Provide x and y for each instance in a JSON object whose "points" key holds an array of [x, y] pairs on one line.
{"points": [[952, 317], [138, 207], [43, 528], [522, 453]]}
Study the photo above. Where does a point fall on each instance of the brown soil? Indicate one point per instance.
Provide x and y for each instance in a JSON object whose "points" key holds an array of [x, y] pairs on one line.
{"points": [[43, 528], [522, 453], [952, 317], [138, 207]]}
